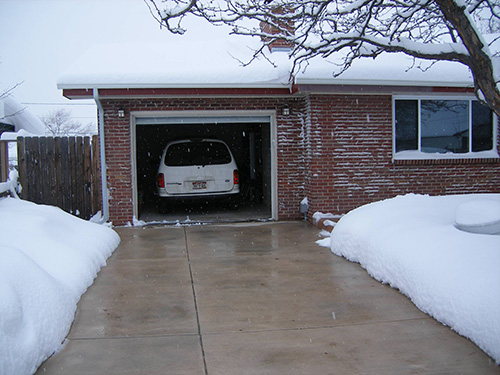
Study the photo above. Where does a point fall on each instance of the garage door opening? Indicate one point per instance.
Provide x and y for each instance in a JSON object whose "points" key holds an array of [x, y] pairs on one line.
{"points": [[248, 138]]}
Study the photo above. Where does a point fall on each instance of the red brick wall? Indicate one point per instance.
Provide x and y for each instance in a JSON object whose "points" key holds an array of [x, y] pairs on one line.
{"points": [[291, 167], [351, 165], [119, 165], [334, 149]]}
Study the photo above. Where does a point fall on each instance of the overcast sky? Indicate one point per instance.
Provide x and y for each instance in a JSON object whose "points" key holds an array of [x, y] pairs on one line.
{"points": [[41, 38]]}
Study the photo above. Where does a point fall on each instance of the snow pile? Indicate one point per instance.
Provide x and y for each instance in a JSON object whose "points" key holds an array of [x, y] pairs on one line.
{"points": [[317, 216], [479, 216], [48, 259], [11, 186], [411, 243]]}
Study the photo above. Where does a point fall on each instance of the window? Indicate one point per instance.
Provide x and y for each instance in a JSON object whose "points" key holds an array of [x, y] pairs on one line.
{"points": [[197, 153], [440, 126]]}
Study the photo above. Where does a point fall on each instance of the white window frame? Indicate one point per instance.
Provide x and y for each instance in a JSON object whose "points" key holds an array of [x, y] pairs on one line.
{"points": [[419, 155]]}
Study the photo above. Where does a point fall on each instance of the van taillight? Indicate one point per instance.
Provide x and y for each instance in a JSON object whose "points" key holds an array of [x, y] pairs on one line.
{"points": [[236, 177], [161, 180]]}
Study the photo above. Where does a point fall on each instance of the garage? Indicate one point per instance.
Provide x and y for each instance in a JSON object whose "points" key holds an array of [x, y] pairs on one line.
{"points": [[249, 137]]}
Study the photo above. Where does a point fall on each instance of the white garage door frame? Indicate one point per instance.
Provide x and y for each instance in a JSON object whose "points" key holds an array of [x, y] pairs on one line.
{"points": [[195, 117]]}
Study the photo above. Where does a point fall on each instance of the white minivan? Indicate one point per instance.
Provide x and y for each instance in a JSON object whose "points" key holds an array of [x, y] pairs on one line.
{"points": [[198, 168]]}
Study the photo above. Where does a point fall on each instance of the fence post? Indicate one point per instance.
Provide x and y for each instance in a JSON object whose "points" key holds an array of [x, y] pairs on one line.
{"points": [[79, 192], [4, 161], [58, 188], [21, 164], [96, 176], [87, 165], [65, 176], [33, 171]]}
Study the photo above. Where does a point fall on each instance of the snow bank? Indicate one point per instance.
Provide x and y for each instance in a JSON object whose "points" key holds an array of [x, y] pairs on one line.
{"points": [[11, 185], [48, 259], [479, 216], [411, 243]]}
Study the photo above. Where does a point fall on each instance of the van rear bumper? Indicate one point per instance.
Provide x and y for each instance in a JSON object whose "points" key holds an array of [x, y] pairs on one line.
{"points": [[163, 194]]}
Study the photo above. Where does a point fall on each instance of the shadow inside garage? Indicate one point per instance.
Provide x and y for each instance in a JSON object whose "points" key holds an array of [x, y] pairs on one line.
{"points": [[250, 145], [183, 212]]}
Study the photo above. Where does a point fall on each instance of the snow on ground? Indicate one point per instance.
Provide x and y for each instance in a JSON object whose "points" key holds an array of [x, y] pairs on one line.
{"points": [[48, 259], [413, 244]]}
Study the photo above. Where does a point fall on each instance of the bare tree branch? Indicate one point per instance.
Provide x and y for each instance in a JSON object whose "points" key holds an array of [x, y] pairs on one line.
{"points": [[7, 93], [60, 123], [9, 90], [433, 30], [479, 60]]}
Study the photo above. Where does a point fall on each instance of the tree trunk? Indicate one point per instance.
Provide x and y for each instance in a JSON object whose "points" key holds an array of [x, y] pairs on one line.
{"points": [[479, 61]]}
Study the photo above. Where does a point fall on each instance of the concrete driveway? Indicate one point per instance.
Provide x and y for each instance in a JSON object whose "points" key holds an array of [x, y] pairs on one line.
{"points": [[250, 299]]}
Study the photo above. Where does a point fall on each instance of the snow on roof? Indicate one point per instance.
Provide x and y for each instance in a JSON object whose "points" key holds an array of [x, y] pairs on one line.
{"points": [[13, 113], [216, 63], [395, 69], [220, 63]]}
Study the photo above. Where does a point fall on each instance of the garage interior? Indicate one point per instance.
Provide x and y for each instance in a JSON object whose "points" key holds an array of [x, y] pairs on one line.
{"points": [[250, 143]]}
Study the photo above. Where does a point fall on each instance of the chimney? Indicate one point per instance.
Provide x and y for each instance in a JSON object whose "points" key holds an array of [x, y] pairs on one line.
{"points": [[277, 26]]}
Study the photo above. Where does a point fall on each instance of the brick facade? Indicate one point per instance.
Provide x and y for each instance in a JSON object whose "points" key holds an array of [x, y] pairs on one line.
{"points": [[119, 148], [351, 163], [334, 149]]}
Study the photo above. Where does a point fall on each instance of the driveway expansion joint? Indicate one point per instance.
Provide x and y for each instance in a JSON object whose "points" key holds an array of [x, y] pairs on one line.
{"points": [[195, 302], [191, 300]]}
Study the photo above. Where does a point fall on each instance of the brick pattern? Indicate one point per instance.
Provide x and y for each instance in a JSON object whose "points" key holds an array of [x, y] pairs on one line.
{"points": [[334, 149], [119, 166], [268, 28], [119, 149], [352, 165]]}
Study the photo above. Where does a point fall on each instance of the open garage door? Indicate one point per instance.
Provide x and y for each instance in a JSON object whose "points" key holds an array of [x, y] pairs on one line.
{"points": [[249, 139]]}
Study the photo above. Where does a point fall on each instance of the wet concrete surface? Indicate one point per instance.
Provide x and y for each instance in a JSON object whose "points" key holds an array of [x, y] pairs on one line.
{"points": [[204, 212], [250, 298]]}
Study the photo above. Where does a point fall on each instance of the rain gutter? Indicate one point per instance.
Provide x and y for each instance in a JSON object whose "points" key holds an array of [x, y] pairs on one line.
{"points": [[104, 185]]}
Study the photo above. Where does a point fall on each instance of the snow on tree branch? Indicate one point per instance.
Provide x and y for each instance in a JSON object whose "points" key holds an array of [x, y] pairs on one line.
{"points": [[450, 30]]}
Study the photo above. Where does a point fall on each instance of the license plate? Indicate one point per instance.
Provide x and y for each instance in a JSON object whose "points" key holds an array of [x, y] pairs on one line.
{"points": [[198, 185]]}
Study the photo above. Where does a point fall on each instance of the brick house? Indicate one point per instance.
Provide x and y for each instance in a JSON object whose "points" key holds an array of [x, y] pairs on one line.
{"points": [[377, 131]]}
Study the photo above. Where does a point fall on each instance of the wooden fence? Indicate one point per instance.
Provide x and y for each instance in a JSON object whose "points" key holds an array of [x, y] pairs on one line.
{"points": [[61, 171], [4, 161]]}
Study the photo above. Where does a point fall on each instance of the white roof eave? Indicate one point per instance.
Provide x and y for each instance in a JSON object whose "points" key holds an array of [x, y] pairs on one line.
{"points": [[381, 82], [69, 86], [268, 85]]}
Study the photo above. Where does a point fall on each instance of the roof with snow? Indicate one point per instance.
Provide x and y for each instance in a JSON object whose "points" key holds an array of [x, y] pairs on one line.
{"points": [[223, 63], [13, 113]]}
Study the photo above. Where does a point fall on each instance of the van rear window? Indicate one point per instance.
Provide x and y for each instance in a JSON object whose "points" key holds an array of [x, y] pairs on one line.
{"points": [[197, 153]]}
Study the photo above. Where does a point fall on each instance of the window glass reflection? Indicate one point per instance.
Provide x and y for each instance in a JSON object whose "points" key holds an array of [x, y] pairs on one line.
{"points": [[445, 126]]}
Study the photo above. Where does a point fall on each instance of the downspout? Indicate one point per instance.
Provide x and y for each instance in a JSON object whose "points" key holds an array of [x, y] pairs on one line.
{"points": [[104, 185]]}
